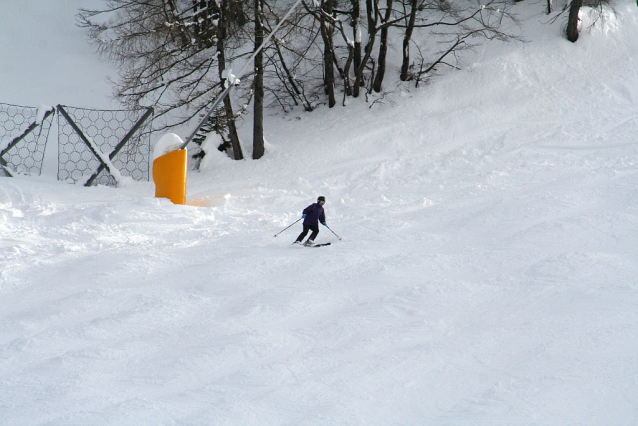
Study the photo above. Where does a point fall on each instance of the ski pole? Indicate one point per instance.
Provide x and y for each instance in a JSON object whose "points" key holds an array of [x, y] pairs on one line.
{"points": [[288, 226], [333, 232]]}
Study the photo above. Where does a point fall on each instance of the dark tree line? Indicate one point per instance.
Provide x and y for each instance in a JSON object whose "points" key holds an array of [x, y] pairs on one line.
{"points": [[171, 54], [175, 54]]}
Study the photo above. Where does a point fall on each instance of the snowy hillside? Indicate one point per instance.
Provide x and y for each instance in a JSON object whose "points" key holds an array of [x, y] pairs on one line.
{"points": [[487, 272]]}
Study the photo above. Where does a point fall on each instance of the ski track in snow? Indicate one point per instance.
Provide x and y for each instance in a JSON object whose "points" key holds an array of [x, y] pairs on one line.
{"points": [[487, 273]]}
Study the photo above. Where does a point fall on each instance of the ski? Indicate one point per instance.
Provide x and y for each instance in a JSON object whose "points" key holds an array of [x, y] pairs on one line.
{"points": [[314, 245]]}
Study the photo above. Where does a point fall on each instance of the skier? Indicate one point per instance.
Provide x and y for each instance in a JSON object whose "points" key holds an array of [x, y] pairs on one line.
{"points": [[312, 215]]}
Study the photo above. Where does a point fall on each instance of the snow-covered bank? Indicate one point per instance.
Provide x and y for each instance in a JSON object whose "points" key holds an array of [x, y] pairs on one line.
{"points": [[487, 273]]}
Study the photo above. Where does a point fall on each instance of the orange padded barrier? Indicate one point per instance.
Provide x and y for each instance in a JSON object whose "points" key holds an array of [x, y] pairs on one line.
{"points": [[169, 175]]}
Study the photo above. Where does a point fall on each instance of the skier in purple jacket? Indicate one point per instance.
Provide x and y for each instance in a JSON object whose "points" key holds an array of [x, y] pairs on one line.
{"points": [[312, 215]]}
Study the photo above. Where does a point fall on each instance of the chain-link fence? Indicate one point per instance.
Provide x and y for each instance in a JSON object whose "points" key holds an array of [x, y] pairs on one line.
{"points": [[100, 146], [23, 138]]}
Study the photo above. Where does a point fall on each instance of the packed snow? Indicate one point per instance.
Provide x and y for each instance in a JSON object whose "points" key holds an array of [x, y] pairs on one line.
{"points": [[487, 272], [166, 144]]}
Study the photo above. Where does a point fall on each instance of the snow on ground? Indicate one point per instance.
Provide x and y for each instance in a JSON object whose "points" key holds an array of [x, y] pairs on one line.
{"points": [[487, 272]]}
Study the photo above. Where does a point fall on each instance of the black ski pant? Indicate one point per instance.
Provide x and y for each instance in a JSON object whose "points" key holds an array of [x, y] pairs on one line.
{"points": [[306, 228]]}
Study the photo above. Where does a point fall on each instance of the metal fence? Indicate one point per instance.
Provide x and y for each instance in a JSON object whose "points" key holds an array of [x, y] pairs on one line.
{"points": [[23, 138], [94, 146], [101, 146]]}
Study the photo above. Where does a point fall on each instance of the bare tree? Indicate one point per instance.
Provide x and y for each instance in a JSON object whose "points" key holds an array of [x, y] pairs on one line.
{"points": [[383, 48], [225, 15], [258, 86], [407, 38], [293, 67], [356, 32], [169, 52], [456, 26], [325, 18], [174, 54]]}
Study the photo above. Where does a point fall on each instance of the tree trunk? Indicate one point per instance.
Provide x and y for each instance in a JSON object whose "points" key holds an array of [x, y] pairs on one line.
{"points": [[258, 122], [356, 32], [405, 66], [572, 23], [347, 88], [328, 54], [371, 8], [228, 107], [383, 50]]}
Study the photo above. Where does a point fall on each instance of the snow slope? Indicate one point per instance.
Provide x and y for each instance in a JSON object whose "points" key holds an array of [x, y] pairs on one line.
{"points": [[487, 272]]}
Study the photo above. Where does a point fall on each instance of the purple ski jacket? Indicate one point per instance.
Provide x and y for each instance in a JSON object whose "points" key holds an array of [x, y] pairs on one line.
{"points": [[314, 213]]}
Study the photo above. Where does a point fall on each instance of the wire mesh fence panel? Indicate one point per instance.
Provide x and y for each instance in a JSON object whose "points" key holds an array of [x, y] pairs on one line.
{"points": [[104, 130], [23, 137]]}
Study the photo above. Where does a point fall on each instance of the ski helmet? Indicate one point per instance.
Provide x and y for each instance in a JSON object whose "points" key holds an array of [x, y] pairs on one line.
{"points": [[321, 199]]}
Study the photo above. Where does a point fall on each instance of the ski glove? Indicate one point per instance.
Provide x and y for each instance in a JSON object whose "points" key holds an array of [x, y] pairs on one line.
{"points": [[325, 224], [303, 216]]}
